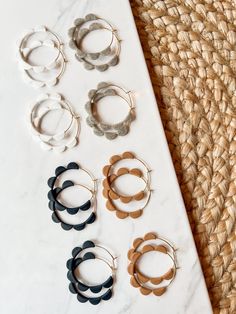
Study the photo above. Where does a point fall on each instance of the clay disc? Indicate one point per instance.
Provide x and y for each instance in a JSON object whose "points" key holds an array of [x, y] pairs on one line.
{"points": [[114, 159], [128, 155], [136, 214]]}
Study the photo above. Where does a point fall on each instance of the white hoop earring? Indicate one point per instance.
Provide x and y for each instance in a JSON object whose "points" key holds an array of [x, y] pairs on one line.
{"points": [[34, 74], [68, 137]]}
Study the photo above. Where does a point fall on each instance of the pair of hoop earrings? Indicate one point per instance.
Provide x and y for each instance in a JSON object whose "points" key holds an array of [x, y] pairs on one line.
{"points": [[66, 138], [111, 193], [100, 60], [146, 284], [78, 285], [39, 74], [57, 206], [100, 128]]}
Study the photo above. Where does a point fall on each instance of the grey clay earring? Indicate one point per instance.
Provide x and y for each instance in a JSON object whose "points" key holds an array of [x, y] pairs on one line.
{"points": [[110, 131], [100, 60]]}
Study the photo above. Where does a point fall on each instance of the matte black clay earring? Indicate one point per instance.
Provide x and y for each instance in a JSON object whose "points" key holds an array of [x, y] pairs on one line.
{"points": [[77, 285], [54, 204], [57, 206]]}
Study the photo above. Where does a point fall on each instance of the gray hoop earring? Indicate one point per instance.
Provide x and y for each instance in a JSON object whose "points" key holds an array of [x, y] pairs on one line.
{"points": [[77, 35], [110, 131]]}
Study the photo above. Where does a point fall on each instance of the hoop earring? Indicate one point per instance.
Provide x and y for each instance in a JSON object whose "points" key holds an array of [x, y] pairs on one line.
{"points": [[109, 192], [26, 47], [54, 204], [77, 286], [77, 34], [138, 279], [57, 206], [100, 128], [112, 195], [60, 141]]}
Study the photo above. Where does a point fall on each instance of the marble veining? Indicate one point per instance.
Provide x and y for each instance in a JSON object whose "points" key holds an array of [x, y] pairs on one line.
{"points": [[33, 249]]}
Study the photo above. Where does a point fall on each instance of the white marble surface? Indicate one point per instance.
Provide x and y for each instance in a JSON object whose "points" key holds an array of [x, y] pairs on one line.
{"points": [[33, 249]]}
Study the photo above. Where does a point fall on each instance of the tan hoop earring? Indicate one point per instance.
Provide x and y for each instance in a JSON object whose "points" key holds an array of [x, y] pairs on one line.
{"points": [[109, 191], [138, 279], [110, 194]]}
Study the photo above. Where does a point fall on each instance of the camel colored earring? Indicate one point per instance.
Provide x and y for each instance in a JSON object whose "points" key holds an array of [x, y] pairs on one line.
{"points": [[111, 193], [146, 284], [78, 285], [100, 60]]}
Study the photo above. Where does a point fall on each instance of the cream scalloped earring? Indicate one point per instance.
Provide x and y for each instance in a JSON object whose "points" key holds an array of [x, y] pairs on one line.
{"points": [[34, 74], [65, 139]]}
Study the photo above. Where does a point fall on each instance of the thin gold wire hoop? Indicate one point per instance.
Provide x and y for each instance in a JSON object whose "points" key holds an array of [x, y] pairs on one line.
{"points": [[103, 28], [92, 191], [57, 77], [26, 38], [113, 258], [29, 76], [113, 267], [67, 109], [87, 188], [146, 187], [93, 179], [170, 281], [148, 170], [133, 260], [91, 176], [65, 106], [110, 29], [129, 102]]}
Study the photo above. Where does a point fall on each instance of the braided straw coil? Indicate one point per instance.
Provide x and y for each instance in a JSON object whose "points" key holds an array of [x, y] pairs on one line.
{"points": [[190, 49]]}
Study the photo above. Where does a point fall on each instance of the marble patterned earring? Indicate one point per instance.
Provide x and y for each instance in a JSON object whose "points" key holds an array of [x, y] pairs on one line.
{"points": [[112, 195], [40, 74], [100, 60], [146, 284], [64, 139], [78, 285], [100, 128], [57, 206]]}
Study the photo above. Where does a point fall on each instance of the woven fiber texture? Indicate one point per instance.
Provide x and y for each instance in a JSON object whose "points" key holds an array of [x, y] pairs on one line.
{"points": [[190, 49]]}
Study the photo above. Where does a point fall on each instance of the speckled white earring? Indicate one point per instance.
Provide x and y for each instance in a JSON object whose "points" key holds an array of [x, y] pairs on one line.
{"points": [[31, 72], [110, 131], [58, 142], [101, 60]]}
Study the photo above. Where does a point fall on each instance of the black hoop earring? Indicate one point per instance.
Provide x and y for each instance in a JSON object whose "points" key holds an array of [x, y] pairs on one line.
{"points": [[76, 286], [56, 206]]}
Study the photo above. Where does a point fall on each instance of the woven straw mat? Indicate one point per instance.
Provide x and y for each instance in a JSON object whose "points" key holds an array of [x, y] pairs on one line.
{"points": [[190, 49]]}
